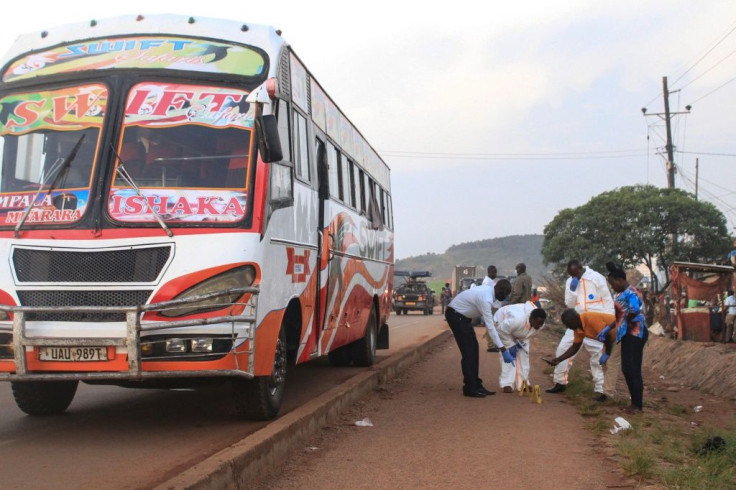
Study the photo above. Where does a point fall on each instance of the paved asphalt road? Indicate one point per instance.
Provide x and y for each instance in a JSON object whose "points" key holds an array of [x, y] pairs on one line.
{"points": [[117, 438]]}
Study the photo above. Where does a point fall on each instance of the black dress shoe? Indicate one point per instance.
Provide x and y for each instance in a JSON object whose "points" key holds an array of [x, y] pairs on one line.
{"points": [[557, 388], [483, 390], [477, 393]]}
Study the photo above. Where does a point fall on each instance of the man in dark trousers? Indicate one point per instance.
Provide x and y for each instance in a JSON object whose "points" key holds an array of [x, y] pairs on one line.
{"points": [[522, 290], [468, 305]]}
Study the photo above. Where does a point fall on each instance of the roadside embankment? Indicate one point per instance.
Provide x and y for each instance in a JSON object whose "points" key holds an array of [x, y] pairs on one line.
{"points": [[703, 366]]}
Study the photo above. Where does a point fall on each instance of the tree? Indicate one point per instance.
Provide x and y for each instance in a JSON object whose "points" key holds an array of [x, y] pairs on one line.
{"points": [[634, 225]]}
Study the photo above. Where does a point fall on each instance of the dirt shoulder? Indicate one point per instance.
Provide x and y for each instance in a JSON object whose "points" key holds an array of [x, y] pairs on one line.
{"points": [[426, 434]]}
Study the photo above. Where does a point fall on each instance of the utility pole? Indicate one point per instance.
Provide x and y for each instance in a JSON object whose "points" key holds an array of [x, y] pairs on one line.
{"points": [[696, 178], [667, 116], [668, 125]]}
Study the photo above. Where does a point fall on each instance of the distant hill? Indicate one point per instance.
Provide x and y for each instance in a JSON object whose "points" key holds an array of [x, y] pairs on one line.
{"points": [[504, 253]]}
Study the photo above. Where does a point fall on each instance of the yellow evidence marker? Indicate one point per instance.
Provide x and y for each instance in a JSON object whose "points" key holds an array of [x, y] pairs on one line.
{"points": [[524, 388], [536, 394]]}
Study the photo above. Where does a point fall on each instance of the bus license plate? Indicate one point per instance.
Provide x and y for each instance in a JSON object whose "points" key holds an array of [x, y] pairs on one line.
{"points": [[411, 303], [73, 354]]}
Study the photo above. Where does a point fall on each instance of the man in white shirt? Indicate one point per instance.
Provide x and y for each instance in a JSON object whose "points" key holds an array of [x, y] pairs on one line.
{"points": [[585, 290], [516, 324], [463, 309], [729, 307], [490, 279]]}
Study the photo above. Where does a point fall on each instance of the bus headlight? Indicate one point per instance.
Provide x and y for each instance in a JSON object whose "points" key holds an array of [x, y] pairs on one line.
{"points": [[239, 277], [176, 345], [202, 345]]}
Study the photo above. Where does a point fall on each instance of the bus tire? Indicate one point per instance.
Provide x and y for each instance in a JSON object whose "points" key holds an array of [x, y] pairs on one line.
{"points": [[260, 398], [364, 350], [43, 398], [340, 356]]}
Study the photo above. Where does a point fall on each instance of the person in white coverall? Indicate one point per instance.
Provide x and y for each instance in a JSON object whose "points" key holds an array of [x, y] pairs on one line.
{"points": [[585, 290], [516, 324]]}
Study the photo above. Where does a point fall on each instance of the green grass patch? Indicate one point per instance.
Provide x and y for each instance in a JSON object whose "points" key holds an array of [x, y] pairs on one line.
{"points": [[436, 286], [661, 448]]}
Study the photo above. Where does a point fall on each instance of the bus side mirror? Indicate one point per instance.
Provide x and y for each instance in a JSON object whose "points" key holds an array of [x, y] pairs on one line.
{"points": [[269, 144]]}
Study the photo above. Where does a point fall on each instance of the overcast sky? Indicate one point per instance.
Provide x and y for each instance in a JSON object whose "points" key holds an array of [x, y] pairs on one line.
{"points": [[493, 117]]}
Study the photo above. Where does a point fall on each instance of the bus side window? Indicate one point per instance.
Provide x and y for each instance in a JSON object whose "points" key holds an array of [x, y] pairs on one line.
{"points": [[283, 125], [383, 206], [301, 147], [390, 212], [361, 187], [374, 206], [357, 187], [333, 161], [323, 170], [347, 181]]}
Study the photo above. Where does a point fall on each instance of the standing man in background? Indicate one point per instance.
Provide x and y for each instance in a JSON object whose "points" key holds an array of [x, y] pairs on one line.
{"points": [[445, 296], [521, 290], [490, 279], [587, 291], [729, 308]]}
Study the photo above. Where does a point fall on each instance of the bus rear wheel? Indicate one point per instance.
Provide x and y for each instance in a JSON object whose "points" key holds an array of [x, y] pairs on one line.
{"points": [[260, 398], [364, 350], [43, 398]]}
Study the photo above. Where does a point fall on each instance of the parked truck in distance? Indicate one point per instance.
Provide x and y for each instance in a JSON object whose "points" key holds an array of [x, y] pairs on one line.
{"points": [[413, 294], [459, 273]]}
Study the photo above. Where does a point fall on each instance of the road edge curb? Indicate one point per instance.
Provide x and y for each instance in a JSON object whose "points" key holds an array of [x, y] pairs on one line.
{"points": [[252, 457]]}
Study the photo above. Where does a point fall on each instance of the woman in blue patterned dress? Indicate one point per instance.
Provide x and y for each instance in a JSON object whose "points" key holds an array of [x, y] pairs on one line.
{"points": [[631, 333]]}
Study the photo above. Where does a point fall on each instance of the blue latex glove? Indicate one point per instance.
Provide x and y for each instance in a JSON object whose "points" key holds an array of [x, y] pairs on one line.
{"points": [[604, 359], [507, 357], [512, 351], [574, 283], [602, 336]]}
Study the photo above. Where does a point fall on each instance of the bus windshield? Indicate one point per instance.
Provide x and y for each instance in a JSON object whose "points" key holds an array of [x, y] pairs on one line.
{"points": [[38, 132], [188, 150]]}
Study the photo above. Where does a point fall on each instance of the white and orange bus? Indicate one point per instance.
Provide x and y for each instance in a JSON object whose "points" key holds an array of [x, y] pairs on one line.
{"points": [[181, 201]]}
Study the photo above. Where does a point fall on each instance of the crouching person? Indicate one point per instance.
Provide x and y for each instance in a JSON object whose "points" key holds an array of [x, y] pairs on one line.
{"points": [[516, 324], [588, 325]]}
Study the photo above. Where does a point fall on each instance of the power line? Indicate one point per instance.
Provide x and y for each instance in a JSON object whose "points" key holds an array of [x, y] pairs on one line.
{"points": [[715, 185], [707, 153], [702, 57], [708, 70], [723, 38], [726, 207], [513, 156], [534, 154], [713, 91]]}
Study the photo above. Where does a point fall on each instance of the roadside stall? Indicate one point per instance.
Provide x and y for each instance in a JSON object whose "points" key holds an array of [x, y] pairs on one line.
{"points": [[697, 290]]}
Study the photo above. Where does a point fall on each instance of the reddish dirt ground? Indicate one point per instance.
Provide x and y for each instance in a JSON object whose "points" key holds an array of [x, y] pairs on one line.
{"points": [[427, 435]]}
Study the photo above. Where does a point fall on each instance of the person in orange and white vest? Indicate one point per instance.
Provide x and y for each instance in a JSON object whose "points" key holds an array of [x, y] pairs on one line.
{"points": [[586, 291], [516, 324]]}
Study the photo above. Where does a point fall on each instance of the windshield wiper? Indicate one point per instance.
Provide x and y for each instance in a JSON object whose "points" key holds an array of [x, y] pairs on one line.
{"points": [[58, 168], [123, 173]]}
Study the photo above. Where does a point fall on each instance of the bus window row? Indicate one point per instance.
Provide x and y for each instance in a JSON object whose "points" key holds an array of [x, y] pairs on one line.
{"points": [[355, 188], [348, 183]]}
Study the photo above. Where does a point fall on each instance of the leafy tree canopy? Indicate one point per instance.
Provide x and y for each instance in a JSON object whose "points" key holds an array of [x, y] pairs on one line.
{"points": [[634, 225]]}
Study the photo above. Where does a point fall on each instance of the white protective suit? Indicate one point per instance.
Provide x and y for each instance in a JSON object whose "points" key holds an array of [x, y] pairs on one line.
{"points": [[512, 325], [591, 294]]}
